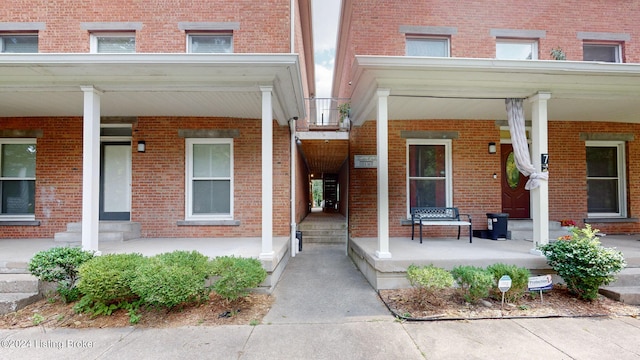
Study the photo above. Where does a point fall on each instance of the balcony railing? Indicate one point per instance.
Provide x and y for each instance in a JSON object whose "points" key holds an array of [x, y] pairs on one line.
{"points": [[324, 114]]}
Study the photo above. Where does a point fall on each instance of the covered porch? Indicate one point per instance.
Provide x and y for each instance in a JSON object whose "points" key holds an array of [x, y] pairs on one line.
{"points": [[449, 252]]}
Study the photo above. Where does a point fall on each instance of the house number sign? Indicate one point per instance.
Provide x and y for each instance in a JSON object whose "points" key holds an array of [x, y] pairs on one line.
{"points": [[544, 162]]}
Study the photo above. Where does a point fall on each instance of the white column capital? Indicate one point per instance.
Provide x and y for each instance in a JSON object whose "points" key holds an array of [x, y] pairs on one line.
{"points": [[383, 92], [540, 96], [266, 88], [92, 89]]}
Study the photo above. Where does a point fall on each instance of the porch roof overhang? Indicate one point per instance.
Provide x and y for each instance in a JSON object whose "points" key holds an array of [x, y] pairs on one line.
{"points": [[458, 88], [221, 85]]}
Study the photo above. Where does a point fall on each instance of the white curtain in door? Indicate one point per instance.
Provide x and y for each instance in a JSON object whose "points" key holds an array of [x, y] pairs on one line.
{"points": [[515, 115]]}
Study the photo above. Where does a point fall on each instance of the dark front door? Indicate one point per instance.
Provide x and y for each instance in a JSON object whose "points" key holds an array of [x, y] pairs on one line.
{"points": [[515, 199]]}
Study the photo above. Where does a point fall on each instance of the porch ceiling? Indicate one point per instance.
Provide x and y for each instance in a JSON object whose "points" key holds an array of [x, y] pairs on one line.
{"points": [[454, 88], [324, 152], [151, 84]]}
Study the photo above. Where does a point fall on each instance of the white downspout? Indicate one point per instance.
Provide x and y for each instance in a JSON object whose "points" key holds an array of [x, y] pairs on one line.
{"points": [[292, 127], [293, 26]]}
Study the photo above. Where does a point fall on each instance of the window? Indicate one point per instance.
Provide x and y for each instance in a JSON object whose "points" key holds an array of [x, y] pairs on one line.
{"points": [[517, 49], [19, 43], [426, 46], [113, 43], [210, 43], [605, 179], [602, 52], [429, 173], [17, 178], [209, 187]]}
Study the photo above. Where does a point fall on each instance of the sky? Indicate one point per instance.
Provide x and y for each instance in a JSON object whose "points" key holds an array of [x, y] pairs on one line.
{"points": [[325, 15]]}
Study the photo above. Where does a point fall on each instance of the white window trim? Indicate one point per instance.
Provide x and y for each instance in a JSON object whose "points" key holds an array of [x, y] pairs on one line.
{"points": [[189, 216], [5, 217], [208, 33], [93, 45], [622, 177], [430, 37], [533, 42], [448, 170], [617, 47]]}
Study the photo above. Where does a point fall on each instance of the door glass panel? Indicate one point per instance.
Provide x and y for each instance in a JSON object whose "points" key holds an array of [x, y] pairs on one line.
{"points": [[511, 171], [117, 178]]}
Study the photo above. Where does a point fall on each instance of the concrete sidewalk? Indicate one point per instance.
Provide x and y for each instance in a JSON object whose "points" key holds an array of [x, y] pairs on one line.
{"points": [[324, 309]]}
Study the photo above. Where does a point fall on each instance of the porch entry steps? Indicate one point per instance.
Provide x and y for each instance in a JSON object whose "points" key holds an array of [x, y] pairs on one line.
{"points": [[523, 229], [323, 228], [626, 288], [107, 231], [17, 291]]}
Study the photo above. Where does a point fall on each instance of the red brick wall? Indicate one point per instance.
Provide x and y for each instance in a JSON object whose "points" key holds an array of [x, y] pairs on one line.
{"points": [[264, 25], [474, 189], [374, 29], [158, 199]]}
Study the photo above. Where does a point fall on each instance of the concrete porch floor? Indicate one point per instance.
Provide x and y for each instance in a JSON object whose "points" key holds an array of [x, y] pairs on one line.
{"points": [[447, 253]]}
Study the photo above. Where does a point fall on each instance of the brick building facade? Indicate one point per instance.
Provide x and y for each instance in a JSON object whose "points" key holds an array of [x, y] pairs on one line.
{"points": [[441, 74]]}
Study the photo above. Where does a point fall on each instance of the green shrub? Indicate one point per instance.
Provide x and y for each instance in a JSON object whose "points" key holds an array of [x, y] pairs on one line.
{"points": [[60, 265], [236, 276], [427, 280], [194, 260], [519, 281], [107, 279], [167, 285], [583, 263], [474, 282]]}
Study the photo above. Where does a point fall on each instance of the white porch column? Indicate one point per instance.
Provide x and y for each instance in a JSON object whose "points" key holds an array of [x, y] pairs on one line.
{"points": [[382, 146], [267, 174], [539, 146], [90, 168]]}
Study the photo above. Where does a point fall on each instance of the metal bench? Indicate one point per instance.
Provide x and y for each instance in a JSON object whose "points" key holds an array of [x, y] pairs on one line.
{"points": [[439, 216]]}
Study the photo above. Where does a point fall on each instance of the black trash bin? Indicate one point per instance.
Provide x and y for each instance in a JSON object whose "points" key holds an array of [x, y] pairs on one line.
{"points": [[299, 237], [497, 225]]}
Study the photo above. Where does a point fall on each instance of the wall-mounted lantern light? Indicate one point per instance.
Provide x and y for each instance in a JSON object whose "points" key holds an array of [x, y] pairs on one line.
{"points": [[492, 148], [142, 146]]}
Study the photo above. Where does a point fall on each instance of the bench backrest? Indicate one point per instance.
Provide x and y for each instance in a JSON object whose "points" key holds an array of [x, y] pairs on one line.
{"points": [[435, 213]]}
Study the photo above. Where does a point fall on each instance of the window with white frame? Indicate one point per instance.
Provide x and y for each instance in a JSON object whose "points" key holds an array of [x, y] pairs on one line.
{"points": [[510, 49], [17, 178], [427, 46], [210, 43], [429, 173], [601, 52], [113, 43], [19, 43], [209, 179], [606, 182]]}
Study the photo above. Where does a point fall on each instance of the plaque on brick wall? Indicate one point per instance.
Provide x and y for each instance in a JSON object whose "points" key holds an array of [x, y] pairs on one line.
{"points": [[365, 161]]}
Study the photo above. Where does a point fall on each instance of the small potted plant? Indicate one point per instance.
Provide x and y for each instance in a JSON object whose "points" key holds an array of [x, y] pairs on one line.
{"points": [[344, 109]]}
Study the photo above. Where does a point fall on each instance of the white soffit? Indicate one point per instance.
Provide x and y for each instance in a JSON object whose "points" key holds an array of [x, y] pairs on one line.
{"points": [[453, 88]]}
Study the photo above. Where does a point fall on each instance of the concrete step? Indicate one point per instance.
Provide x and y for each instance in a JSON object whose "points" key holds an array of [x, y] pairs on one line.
{"points": [[528, 234], [18, 283], [626, 294], [324, 239], [627, 277], [304, 226], [107, 231], [325, 232], [11, 302]]}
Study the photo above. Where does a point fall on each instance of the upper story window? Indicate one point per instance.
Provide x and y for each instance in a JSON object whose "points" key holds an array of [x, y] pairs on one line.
{"points": [[603, 46], [427, 46], [113, 43], [219, 43], [510, 49], [602, 52], [17, 178], [517, 44], [19, 43]]}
